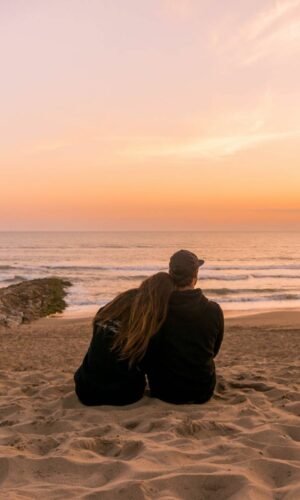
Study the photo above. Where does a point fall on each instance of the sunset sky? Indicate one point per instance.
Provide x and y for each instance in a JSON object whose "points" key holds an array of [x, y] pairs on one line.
{"points": [[161, 114]]}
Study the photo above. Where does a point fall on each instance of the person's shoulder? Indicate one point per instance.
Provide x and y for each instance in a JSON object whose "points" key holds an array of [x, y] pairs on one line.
{"points": [[213, 308], [106, 327]]}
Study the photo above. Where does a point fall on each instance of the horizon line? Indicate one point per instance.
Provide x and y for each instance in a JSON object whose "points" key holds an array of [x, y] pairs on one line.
{"points": [[150, 231]]}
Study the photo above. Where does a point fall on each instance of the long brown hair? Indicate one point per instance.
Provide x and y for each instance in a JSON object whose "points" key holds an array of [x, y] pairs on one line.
{"points": [[140, 312], [117, 309]]}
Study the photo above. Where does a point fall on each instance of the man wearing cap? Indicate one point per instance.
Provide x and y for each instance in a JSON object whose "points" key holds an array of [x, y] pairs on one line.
{"points": [[180, 360]]}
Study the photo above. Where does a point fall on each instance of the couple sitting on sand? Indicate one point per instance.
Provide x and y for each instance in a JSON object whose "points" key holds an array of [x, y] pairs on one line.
{"points": [[165, 329]]}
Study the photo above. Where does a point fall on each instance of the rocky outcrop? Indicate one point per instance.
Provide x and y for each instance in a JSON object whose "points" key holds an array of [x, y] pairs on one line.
{"points": [[31, 300]]}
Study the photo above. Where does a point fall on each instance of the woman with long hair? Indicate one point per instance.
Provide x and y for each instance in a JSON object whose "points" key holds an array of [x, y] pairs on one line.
{"points": [[110, 372]]}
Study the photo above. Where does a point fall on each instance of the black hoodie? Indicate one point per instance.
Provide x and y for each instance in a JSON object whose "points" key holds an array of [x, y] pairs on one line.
{"points": [[180, 358], [102, 377]]}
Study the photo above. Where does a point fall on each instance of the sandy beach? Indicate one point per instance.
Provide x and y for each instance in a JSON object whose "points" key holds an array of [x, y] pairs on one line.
{"points": [[243, 444]]}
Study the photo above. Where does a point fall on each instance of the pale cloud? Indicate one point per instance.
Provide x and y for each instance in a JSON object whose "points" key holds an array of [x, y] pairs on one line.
{"points": [[273, 31], [271, 16], [211, 148], [283, 40], [248, 120]]}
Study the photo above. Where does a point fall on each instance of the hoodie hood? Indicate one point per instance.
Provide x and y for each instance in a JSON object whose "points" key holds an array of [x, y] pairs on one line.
{"points": [[188, 304]]}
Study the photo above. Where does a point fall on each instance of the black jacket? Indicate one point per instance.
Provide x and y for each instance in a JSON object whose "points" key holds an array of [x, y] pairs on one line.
{"points": [[102, 377], [180, 358]]}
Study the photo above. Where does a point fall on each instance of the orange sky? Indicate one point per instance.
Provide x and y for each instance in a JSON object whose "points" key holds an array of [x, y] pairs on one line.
{"points": [[170, 114]]}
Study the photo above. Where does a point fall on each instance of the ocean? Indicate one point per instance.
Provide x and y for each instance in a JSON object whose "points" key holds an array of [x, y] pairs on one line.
{"points": [[242, 271]]}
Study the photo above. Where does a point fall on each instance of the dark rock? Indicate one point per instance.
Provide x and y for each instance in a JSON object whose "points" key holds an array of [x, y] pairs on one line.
{"points": [[31, 300]]}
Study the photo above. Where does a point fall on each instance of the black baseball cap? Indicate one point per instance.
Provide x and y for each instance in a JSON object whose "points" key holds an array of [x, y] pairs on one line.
{"points": [[184, 262]]}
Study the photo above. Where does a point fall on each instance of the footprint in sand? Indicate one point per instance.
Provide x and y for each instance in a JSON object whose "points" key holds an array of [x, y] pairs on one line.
{"points": [[39, 446], [147, 426], [7, 410], [291, 452], [204, 429], [4, 468], [292, 431], [98, 431], [257, 386], [70, 400], [293, 408], [114, 447], [275, 473]]}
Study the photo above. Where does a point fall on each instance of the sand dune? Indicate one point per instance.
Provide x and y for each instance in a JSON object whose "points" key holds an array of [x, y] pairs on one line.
{"points": [[243, 444]]}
